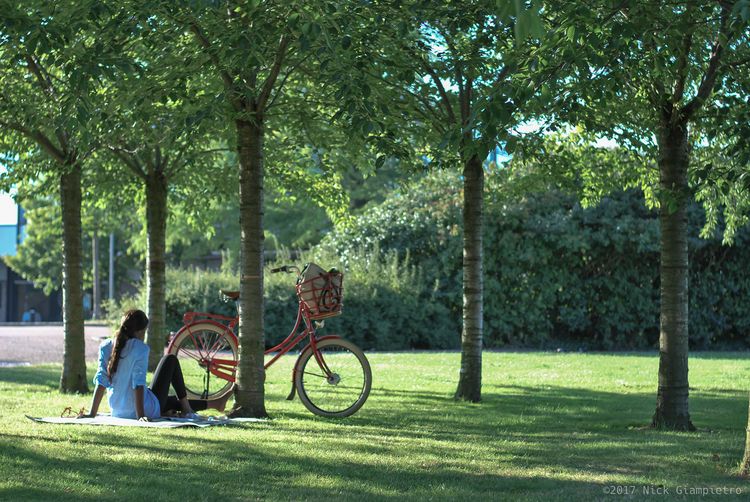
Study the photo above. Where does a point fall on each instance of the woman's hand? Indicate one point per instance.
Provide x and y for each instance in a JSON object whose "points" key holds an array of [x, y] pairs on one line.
{"points": [[98, 395], [139, 393]]}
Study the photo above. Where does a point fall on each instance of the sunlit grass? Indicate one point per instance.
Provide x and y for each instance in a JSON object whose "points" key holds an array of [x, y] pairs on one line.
{"points": [[551, 426]]}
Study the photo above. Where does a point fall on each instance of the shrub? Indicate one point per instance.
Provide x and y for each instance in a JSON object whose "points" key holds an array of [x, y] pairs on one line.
{"points": [[556, 274], [386, 306]]}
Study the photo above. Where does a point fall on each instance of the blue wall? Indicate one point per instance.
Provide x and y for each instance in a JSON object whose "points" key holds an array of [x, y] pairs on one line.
{"points": [[7, 240]]}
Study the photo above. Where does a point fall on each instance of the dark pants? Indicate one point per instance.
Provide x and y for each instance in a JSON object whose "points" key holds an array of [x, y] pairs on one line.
{"points": [[168, 373]]}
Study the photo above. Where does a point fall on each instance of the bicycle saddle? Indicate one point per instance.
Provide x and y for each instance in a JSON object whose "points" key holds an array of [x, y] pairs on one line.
{"points": [[233, 295]]}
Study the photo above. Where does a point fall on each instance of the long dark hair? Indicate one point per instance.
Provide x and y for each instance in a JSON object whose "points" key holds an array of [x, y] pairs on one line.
{"points": [[131, 322]]}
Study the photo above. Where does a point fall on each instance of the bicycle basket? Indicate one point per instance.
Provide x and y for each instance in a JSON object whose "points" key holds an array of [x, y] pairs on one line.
{"points": [[320, 292]]}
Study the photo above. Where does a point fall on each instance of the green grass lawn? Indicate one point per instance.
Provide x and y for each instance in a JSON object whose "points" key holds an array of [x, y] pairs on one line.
{"points": [[552, 426]]}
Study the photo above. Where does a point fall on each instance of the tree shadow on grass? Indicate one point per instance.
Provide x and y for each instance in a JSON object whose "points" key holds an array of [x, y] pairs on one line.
{"points": [[196, 469], [557, 429], [538, 442], [43, 376], [607, 429], [549, 408], [732, 355]]}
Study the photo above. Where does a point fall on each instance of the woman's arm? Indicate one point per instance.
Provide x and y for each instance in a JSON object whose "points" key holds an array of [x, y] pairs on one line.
{"points": [[95, 402], [139, 410]]}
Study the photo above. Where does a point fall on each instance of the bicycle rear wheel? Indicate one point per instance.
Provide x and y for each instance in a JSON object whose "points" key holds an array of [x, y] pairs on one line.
{"points": [[343, 390], [208, 358]]}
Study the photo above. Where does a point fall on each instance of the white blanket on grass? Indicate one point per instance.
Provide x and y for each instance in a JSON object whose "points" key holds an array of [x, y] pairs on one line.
{"points": [[164, 422]]}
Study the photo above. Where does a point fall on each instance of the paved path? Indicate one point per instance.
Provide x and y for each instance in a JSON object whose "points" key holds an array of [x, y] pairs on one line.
{"points": [[43, 343]]}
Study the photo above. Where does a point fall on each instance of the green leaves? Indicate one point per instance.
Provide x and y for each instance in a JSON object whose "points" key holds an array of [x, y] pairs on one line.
{"points": [[742, 7], [570, 33], [528, 23], [311, 30], [380, 161]]}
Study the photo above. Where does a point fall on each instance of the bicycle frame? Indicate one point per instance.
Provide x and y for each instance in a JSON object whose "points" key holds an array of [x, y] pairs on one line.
{"points": [[335, 385], [295, 336]]}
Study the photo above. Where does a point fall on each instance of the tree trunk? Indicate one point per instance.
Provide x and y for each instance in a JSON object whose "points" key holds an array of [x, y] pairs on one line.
{"points": [[470, 380], [249, 395], [96, 290], [73, 378], [745, 468], [672, 396], [156, 227], [111, 276]]}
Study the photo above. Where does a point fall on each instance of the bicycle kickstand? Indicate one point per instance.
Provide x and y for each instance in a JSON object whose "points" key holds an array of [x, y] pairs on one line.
{"points": [[292, 392]]}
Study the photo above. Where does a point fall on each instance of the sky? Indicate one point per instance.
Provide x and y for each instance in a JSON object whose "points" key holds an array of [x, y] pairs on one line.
{"points": [[8, 210]]}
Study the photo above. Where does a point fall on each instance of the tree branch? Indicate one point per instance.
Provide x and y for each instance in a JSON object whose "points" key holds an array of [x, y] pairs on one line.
{"points": [[177, 164], [149, 161], [45, 83], [273, 74], [165, 162], [464, 104], [445, 100], [88, 153], [39, 138], [441, 89], [709, 76], [223, 73], [504, 73], [129, 160], [284, 79], [739, 62], [157, 159], [49, 147], [679, 88], [655, 98], [436, 115]]}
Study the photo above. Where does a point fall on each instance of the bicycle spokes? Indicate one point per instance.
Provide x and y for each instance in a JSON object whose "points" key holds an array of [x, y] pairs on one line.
{"points": [[208, 358], [334, 379], [332, 376]]}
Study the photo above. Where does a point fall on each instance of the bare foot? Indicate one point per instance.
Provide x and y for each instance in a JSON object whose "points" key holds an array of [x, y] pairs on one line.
{"points": [[220, 403]]}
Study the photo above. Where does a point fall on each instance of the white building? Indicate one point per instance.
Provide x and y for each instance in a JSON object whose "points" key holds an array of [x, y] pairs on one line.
{"points": [[18, 295]]}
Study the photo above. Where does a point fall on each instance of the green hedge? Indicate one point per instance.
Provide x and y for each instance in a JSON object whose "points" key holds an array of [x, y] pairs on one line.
{"points": [[556, 275], [383, 306]]}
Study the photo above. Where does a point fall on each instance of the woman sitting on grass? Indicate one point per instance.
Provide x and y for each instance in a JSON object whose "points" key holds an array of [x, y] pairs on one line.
{"points": [[122, 374]]}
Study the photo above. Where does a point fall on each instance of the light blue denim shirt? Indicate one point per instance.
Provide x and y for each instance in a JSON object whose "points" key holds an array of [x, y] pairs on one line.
{"points": [[131, 373]]}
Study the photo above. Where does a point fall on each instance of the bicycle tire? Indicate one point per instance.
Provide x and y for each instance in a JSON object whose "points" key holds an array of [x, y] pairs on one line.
{"points": [[324, 396], [196, 346]]}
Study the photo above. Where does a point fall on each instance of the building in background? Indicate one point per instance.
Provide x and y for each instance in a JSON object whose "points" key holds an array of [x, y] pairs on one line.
{"points": [[17, 295]]}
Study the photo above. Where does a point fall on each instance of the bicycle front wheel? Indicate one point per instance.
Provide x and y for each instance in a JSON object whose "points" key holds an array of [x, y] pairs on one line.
{"points": [[208, 359], [338, 384]]}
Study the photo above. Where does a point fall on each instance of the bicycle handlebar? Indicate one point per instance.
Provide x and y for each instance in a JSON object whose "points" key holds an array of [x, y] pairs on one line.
{"points": [[289, 269]]}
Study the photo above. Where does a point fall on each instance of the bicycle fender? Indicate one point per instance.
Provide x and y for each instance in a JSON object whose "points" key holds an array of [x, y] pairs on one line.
{"points": [[293, 391], [299, 358], [307, 347]]}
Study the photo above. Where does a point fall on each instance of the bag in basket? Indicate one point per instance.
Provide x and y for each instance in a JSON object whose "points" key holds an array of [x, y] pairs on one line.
{"points": [[320, 290]]}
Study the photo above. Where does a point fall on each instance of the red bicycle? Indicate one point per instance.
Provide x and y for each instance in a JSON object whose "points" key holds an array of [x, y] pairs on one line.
{"points": [[331, 375]]}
